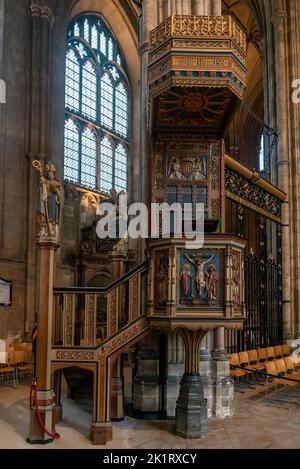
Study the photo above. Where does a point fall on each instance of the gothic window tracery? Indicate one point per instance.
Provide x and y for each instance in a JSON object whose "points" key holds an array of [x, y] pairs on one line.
{"points": [[97, 107]]}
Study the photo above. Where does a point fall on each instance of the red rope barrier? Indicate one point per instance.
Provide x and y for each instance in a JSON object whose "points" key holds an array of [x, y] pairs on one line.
{"points": [[55, 436]]}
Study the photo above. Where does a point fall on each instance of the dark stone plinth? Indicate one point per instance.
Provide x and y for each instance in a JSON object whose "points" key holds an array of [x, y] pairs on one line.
{"points": [[191, 409]]}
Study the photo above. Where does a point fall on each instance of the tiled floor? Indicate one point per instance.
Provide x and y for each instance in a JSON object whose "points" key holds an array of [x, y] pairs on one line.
{"points": [[255, 425]]}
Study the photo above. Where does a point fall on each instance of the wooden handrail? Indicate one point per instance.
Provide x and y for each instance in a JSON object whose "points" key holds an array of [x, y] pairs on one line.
{"points": [[108, 288]]}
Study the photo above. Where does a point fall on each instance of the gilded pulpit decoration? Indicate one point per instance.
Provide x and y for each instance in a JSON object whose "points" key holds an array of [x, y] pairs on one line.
{"points": [[50, 199], [189, 168], [215, 167], [206, 284], [90, 320], [134, 297], [249, 194], [69, 320], [159, 177], [112, 308]]}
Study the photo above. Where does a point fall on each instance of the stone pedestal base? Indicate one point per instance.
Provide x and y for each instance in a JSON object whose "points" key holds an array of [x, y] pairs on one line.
{"points": [[36, 435], [146, 394], [101, 433], [191, 409], [223, 386], [146, 389]]}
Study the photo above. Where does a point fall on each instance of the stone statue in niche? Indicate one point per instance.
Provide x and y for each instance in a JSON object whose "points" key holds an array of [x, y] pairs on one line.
{"points": [[49, 200], [199, 262], [212, 283], [185, 283]]}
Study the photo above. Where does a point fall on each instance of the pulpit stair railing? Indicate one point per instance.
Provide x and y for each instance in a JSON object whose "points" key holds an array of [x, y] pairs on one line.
{"points": [[86, 317]]}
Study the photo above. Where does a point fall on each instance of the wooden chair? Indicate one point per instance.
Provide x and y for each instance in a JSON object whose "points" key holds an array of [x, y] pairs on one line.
{"points": [[290, 366], [235, 361], [255, 363], [270, 353], [8, 372], [278, 351], [271, 369], [24, 364], [286, 350], [262, 355]]}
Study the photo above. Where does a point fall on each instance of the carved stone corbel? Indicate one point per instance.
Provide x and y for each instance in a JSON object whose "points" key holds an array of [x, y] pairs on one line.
{"points": [[44, 12]]}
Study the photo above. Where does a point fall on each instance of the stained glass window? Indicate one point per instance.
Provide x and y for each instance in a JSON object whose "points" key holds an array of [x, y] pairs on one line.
{"points": [[97, 106]]}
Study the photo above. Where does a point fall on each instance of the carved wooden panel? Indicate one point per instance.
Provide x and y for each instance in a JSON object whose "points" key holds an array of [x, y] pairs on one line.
{"points": [[69, 319]]}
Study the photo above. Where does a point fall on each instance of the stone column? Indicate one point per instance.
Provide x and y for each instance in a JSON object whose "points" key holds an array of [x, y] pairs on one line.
{"points": [[223, 385], [191, 409], [47, 253], [186, 7], [198, 7], [41, 27], [216, 8], [283, 92], [206, 378]]}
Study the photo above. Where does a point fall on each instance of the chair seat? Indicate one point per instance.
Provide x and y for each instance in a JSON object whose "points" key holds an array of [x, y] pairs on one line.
{"points": [[257, 367], [8, 369], [238, 373], [285, 382]]}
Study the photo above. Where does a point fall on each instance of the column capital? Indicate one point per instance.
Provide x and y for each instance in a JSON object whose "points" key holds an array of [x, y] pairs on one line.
{"points": [[279, 16], [43, 12], [144, 47]]}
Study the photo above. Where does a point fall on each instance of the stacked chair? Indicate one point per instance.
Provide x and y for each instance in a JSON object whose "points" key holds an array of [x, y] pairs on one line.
{"points": [[272, 361], [19, 364]]}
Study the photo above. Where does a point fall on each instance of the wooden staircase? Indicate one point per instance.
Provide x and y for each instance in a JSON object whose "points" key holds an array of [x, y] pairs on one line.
{"points": [[85, 348]]}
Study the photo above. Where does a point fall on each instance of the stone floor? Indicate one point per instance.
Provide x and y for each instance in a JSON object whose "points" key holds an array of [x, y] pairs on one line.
{"points": [[257, 424]]}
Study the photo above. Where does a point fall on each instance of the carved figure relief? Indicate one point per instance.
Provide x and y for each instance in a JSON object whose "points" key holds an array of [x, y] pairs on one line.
{"points": [[212, 283], [187, 169], [199, 280]]}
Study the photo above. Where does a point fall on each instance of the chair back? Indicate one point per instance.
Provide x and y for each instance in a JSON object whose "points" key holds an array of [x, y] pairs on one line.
{"points": [[286, 349], [278, 351], [234, 359], [262, 353], [270, 352], [289, 363], [271, 368], [281, 366], [253, 356], [244, 358], [16, 357]]}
